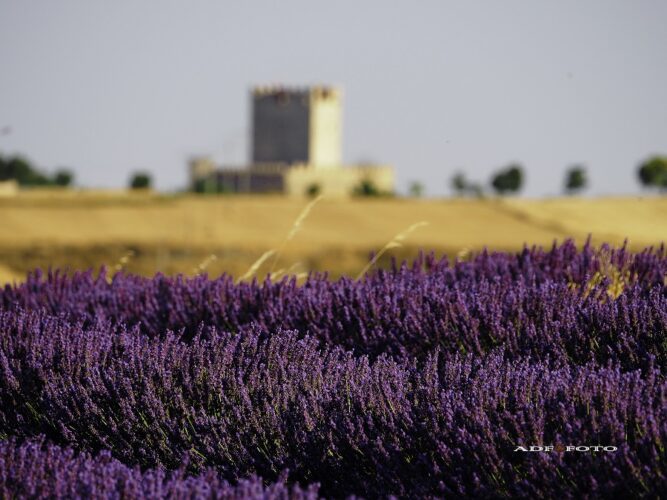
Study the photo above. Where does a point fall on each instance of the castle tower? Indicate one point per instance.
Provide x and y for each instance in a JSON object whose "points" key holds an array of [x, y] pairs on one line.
{"points": [[325, 130], [296, 126]]}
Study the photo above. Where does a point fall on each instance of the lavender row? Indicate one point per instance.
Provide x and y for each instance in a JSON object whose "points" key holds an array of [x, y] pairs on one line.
{"points": [[552, 303], [259, 404], [35, 469]]}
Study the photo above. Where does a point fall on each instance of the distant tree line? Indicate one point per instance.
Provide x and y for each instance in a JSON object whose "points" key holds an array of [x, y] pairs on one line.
{"points": [[652, 174], [507, 180], [19, 169], [510, 180]]}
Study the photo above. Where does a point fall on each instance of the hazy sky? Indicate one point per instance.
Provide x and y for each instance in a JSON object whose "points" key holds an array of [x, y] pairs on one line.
{"points": [[429, 87]]}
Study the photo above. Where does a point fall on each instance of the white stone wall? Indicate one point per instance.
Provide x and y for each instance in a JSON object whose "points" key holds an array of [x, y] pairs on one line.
{"points": [[201, 167], [338, 182], [325, 128]]}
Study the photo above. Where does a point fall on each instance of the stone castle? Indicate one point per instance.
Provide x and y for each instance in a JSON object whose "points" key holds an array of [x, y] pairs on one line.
{"points": [[296, 149]]}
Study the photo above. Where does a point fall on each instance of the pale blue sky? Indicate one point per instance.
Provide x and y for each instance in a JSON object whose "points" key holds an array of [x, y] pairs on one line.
{"points": [[429, 87]]}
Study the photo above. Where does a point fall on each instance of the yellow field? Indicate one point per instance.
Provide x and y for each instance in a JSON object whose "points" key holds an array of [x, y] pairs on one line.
{"points": [[175, 234]]}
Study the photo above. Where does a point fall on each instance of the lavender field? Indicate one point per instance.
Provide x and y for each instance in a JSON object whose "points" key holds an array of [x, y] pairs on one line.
{"points": [[431, 379]]}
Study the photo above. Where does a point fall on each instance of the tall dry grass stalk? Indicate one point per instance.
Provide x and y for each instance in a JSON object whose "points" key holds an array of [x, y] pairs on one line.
{"points": [[302, 217], [396, 242], [296, 227], [257, 264], [120, 265], [205, 263], [275, 253], [290, 270], [298, 224], [463, 254]]}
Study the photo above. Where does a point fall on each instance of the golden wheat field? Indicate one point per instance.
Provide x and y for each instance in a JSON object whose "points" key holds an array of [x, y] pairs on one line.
{"points": [[188, 234]]}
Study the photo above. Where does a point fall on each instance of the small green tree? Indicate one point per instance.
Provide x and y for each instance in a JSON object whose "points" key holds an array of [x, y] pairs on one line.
{"points": [[141, 180], [200, 186], [366, 188], [208, 185], [313, 190], [63, 178], [416, 189], [653, 172], [459, 183], [575, 179], [463, 187], [508, 180]]}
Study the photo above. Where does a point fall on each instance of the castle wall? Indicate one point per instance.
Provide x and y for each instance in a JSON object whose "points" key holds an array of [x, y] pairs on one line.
{"points": [[201, 168], [338, 181], [281, 126], [251, 181]]}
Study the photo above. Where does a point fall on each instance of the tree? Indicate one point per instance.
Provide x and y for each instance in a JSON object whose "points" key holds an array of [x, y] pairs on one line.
{"points": [[141, 180], [19, 169], [22, 171], [459, 183], [653, 172], [63, 178], [199, 186], [508, 180], [416, 189], [366, 188], [575, 179], [313, 190], [463, 187], [208, 185]]}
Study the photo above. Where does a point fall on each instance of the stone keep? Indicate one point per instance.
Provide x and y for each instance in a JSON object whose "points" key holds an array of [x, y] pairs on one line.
{"points": [[296, 126], [296, 145]]}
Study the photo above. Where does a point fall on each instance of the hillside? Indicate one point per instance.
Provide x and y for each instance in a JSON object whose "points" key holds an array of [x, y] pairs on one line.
{"points": [[176, 234]]}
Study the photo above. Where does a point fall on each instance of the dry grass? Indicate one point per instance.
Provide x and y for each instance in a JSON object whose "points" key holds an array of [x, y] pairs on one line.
{"points": [[256, 265], [617, 279], [179, 234], [396, 242]]}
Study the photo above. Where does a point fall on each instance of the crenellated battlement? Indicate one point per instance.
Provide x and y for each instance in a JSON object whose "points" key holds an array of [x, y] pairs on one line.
{"points": [[316, 91]]}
